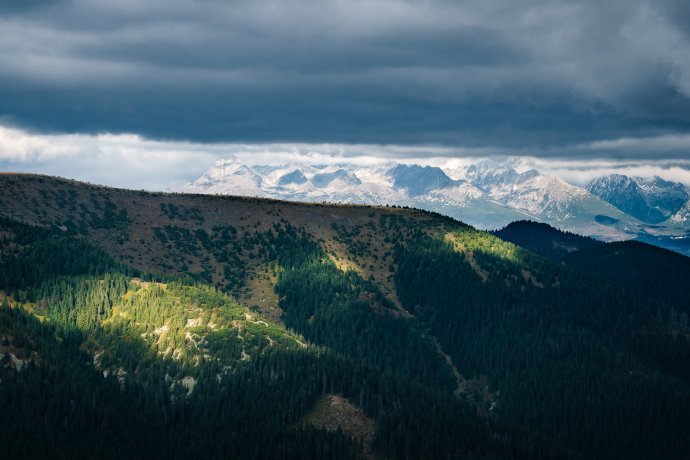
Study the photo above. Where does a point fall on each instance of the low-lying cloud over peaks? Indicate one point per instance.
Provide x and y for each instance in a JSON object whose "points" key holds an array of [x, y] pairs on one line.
{"points": [[532, 75], [132, 161]]}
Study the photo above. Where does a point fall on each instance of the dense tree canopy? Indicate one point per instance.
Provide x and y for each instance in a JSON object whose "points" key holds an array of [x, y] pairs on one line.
{"points": [[454, 343]]}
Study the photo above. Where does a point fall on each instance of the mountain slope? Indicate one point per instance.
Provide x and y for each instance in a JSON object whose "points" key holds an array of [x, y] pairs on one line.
{"points": [[549, 199], [650, 271], [544, 240], [486, 194], [417, 180], [650, 200], [229, 175], [395, 184], [204, 374], [452, 341]]}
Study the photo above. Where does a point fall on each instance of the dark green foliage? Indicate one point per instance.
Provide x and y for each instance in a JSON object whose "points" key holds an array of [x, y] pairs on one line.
{"points": [[544, 240], [556, 362], [342, 311], [109, 217], [222, 244], [99, 318], [41, 254], [653, 272], [66, 409], [649, 271], [565, 357], [182, 213]]}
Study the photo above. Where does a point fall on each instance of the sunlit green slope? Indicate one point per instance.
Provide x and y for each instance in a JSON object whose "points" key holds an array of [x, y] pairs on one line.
{"points": [[228, 323]]}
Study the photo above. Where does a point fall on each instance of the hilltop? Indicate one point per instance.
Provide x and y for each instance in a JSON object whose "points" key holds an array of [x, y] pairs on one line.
{"points": [[213, 238], [256, 328]]}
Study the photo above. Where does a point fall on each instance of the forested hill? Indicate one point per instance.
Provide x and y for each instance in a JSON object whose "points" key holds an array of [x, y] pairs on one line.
{"points": [[217, 239], [181, 326], [544, 239], [648, 270]]}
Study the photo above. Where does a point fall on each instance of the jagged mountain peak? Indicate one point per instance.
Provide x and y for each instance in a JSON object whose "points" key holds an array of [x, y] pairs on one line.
{"points": [[294, 177], [651, 200], [341, 176], [228, 176], [487, 194], [418, 180], [487, 173], [530, 173], [658, 188]]}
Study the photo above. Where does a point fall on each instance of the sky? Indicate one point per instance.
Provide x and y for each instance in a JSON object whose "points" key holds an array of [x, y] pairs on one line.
{"points": [[149, 94]]}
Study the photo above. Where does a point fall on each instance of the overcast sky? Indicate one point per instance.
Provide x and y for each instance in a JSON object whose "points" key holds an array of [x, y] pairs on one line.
{"points": [[182, 82]]}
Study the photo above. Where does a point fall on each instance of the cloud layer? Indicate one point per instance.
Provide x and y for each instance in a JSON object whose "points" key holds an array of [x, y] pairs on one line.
{"points": [[534, 74], [131, 161]]}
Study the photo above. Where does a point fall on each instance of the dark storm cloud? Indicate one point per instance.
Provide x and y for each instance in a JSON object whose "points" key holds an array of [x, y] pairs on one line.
{"points": [[538, 75]]}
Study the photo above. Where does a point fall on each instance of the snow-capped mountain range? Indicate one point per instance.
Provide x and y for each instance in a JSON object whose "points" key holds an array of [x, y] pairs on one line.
{"points": [[652, 200], [486, 194]]}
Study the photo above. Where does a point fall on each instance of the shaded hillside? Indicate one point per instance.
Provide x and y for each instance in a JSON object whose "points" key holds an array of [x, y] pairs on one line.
{"points": [[211, 238], [543, 239], [180, 370], [229, 320], [650, 271]]}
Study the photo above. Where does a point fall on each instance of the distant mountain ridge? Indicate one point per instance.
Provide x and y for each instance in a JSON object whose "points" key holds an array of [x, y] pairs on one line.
{"points": [[651, 200], [419, 180], [486, 194]]}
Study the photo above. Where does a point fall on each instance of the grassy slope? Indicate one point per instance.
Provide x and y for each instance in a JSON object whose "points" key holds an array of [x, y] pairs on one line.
{"points": [[218, 239], [162, 233], [223, 240]]}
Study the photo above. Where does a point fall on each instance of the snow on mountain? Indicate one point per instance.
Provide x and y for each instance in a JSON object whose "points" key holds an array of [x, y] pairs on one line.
{"points": [[339, 178], [485, 194], [463, 194], [544, 198], [660, 190], [486, 174], [682, 216], [652, 200], [228, 177], [295, 177], [395, 184], [417, 180], [465, 202]]}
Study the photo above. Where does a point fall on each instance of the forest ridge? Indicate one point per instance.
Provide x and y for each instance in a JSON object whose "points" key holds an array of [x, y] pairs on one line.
{"points": [[241, 327]]}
